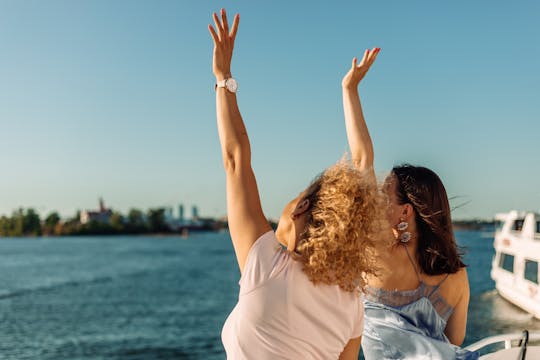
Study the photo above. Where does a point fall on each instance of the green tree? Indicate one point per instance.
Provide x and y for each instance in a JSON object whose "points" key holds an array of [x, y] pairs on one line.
{"points": [[5, 226], [22, 223], [17, 223], [156, 220], [52, 219], [117, 221], [136, 222], [31, 223], [51, 223]]}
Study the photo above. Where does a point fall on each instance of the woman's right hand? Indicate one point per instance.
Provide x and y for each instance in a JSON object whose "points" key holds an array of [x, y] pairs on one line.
{"points": [[223, 44], [357, 72]]}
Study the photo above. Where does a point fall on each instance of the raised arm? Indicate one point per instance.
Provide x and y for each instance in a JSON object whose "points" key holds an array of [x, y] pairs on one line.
{"points": [[245, 216], [357, 132]]}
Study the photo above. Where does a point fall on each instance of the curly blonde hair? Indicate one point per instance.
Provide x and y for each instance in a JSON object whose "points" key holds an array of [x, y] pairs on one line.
{"points": [[345, 228]]}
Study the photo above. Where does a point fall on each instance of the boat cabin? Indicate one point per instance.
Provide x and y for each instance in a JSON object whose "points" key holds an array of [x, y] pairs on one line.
{"points": [[517, 254]]}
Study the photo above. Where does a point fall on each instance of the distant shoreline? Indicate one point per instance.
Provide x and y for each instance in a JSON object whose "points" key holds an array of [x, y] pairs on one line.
{"points": [[474, 225], [458, 225]]}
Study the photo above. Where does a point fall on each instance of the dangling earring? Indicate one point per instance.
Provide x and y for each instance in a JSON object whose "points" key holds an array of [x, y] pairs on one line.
{"points": [[405, 236]]}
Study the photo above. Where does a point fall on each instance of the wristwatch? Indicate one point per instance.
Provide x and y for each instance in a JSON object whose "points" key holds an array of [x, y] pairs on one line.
{"points": [[229, 84]]}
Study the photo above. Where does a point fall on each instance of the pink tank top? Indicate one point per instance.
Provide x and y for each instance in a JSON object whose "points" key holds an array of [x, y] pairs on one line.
{"points": [[281, 314]]}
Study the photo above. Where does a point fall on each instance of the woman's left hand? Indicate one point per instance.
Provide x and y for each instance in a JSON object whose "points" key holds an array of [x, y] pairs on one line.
{"points": [[357, 72]]}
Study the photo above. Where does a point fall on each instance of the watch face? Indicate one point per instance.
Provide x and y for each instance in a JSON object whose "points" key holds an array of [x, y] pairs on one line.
{"points": [[231, 85]]}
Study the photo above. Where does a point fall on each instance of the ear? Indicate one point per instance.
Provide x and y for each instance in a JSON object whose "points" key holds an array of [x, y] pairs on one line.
{"points": [[301, 207], [407, 211]]}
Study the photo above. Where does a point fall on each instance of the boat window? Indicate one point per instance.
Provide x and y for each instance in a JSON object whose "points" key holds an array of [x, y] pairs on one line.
{"points": [[518, 224], [538, 226], [499, 225], [531, 271], [506, 262]]}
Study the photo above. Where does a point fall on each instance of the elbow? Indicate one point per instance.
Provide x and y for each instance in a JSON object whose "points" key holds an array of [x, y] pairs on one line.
{"points": [[363, 162], [457, 339], [234, 159], [458, 342], [229, 163]]}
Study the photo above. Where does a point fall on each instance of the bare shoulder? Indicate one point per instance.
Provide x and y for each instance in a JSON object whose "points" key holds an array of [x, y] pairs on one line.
{"points": [[456, 286], [460, 277]]}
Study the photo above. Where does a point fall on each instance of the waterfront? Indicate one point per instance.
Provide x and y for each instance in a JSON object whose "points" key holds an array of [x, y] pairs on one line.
{"points": [[159, 297]]}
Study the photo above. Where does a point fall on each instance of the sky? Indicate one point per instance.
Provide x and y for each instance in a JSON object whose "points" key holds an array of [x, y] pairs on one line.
{"points": [[115, 99]]}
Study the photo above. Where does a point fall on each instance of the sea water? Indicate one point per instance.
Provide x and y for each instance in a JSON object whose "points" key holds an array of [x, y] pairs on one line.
{"points": [[151, 297]]}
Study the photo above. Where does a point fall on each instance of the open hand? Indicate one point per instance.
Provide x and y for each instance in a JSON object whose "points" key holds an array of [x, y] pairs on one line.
{"points": [[357, 72], [223, 44]]}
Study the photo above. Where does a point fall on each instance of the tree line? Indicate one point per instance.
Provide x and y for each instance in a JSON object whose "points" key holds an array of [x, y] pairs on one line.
{"points": [[27, 222]]}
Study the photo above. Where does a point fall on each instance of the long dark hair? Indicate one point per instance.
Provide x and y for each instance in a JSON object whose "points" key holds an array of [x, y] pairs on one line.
{"points": [[437, 251]]}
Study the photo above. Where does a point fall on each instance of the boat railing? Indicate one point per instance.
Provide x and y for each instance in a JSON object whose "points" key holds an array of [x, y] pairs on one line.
{"points": [[506, 338], [517, 234]]}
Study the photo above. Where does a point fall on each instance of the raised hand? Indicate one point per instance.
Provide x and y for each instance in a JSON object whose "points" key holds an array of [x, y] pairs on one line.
{"points": [[223, 44], [357, 72]]}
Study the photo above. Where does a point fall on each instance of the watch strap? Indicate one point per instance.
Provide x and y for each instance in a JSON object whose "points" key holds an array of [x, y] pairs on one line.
{"points": [[221, 83]]}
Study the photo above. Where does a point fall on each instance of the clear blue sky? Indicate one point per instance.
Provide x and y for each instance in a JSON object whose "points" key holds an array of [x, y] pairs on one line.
{"points": [[116, 99]]}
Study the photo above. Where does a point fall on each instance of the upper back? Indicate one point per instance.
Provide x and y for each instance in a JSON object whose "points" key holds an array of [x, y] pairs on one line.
{"points": [[401, 275], [282, 314]]}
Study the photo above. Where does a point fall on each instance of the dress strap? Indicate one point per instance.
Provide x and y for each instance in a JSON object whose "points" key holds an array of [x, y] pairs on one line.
{"points": [[436, 287], [443, 280], [412, 263]]}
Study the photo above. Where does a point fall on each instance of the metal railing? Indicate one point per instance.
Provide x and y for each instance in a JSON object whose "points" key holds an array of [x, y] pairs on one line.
{"points": [[506, 338]]}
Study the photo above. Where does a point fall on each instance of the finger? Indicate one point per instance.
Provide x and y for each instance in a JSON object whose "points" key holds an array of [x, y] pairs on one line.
{"points": [[374, 56], [224, 21], [218, 26], [354, 60], [369, 58], [371, 53], [213, 33], [234, 29], [364, 58]]}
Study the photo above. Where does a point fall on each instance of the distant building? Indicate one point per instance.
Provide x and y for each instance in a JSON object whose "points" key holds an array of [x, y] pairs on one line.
{"points": [[196, 222], [175, 224], [103, 215], [181, 213], [169, 218]]}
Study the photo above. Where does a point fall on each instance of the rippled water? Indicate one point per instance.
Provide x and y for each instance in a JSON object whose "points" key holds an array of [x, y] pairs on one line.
{"points": [[158, 297], [115, 298]]}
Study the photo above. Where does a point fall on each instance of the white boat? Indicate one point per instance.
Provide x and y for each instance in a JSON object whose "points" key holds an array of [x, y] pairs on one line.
{"points": [[517, 254]]}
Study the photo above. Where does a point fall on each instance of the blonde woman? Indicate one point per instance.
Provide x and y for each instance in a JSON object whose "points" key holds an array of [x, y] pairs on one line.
{"points": [[417, 307], [301, 301]]}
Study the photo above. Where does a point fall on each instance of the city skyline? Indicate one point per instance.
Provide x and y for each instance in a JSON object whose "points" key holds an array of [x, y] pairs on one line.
{"points": [[178, 211], [116, 99]]}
